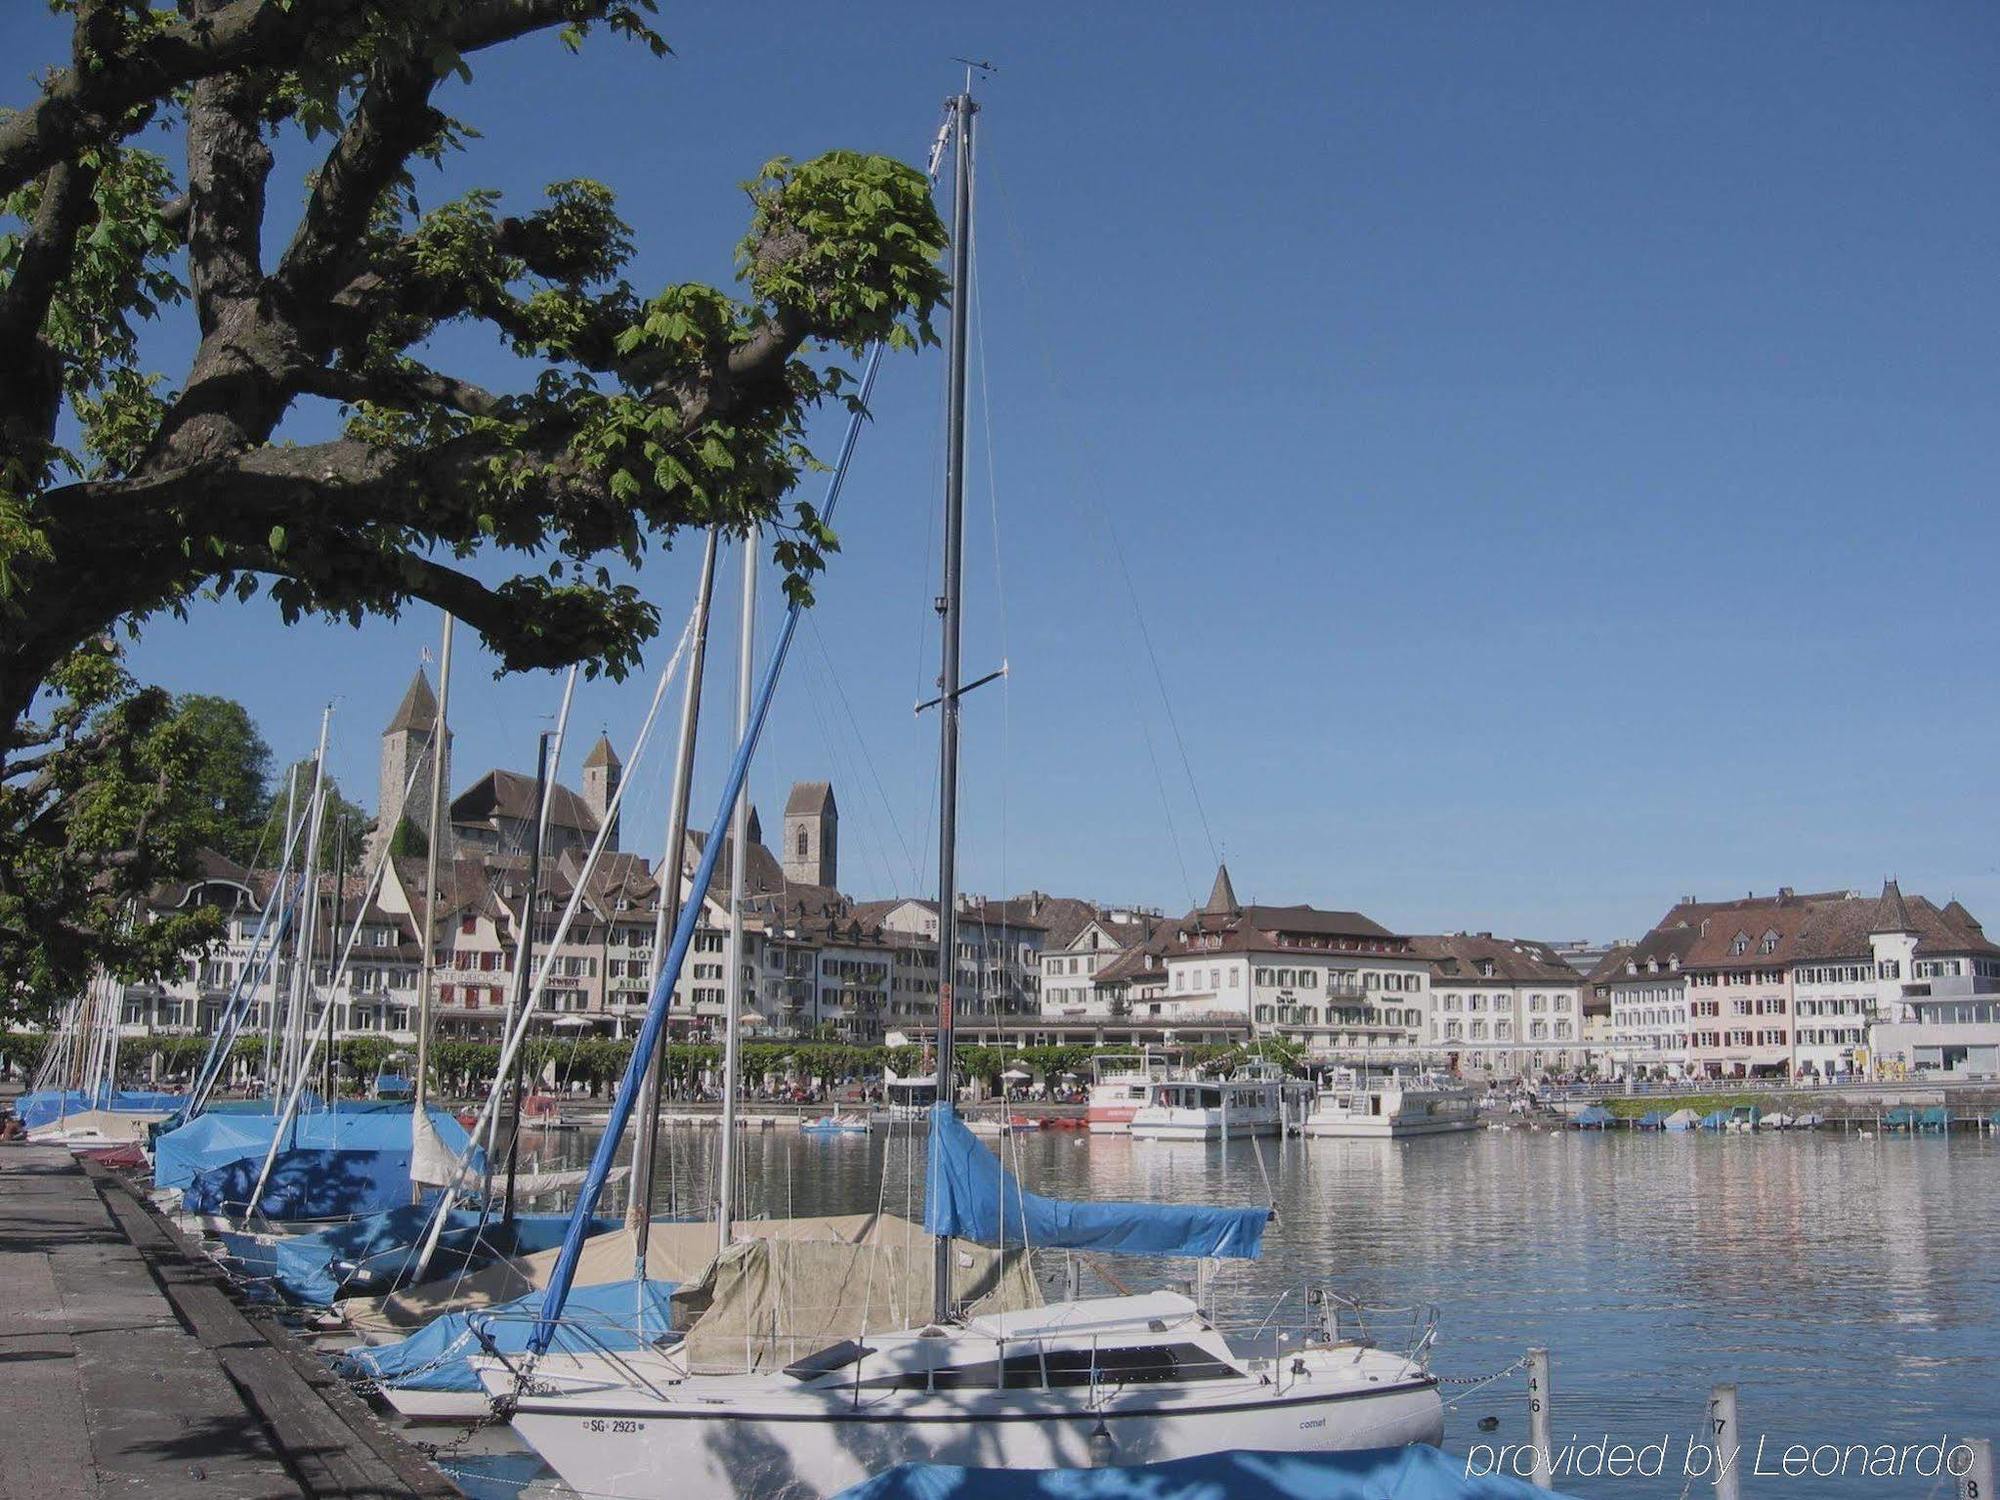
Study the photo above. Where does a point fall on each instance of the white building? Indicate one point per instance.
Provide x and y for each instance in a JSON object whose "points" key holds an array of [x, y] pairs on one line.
{"points": [[1504, 1007], [1339, 984]]}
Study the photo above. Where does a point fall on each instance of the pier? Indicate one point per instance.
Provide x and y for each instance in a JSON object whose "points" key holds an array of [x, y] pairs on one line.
{"points": [[129, 1367]]}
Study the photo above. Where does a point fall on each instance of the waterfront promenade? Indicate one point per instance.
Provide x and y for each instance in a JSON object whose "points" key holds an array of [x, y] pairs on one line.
{"points": [[127, 1368]]}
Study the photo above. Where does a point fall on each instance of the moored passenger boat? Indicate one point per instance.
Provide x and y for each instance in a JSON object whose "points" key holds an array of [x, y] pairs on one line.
{"points": [[1391, 1105], [1187, 1109], [1118, 1091]]}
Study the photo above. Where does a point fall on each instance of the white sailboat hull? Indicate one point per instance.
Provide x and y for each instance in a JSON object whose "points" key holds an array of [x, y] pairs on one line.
{"points": [[438, 1406], [639, 1451]]}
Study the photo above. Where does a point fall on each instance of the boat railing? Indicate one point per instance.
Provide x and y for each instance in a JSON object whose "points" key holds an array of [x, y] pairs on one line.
{"points": [[1335, 1318], [523, 1367]]}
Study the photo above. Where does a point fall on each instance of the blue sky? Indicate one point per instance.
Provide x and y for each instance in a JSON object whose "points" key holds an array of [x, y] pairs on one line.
{"points": [[1550, 446]]}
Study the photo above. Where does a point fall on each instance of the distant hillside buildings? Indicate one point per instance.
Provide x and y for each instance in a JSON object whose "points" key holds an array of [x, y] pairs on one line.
{"points": [[1821, 985]]}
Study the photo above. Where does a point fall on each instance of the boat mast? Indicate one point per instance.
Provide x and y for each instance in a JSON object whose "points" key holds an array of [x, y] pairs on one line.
{"points": [[302, 953], [420, 1095], [739, 834], [521, 977], [948, 608], [645, 1147]]}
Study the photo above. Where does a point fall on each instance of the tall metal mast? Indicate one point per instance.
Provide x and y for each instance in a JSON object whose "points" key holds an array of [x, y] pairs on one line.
{"points": [[963, 110], [645, 1147], [440, 768], [522, 989], [739, 834]]}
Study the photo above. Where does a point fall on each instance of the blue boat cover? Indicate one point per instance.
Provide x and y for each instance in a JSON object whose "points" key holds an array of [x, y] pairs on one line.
{"points": [[605, 1316], [49, 1105], [219, 1136], [1596, 1117], [965, 1188], [304, 1266], [1715, 1119], [1652, 1119], [304, 1185], [1420, 1472], [371, 1256]]}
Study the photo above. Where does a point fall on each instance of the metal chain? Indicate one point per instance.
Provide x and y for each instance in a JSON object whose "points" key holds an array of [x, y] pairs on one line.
{"points": [[1519, 1364]]}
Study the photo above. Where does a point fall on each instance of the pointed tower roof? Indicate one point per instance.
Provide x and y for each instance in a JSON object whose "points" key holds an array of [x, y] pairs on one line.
{"points": [[1891, 915], [601, 754], [754, 829], [419, 708], [1956, 914], [810, 799], [1222, 900]]}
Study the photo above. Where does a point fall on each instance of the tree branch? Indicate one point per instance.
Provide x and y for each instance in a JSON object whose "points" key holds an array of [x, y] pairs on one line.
{"points": [[406, 387], [83, 105], [31, 385], [392, 121]]}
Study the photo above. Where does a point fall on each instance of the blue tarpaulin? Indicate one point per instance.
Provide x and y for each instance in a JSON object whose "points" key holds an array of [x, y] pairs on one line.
{"points": [[965, 1188], [372, 1256], [606, 1316], [307, 1268], [217, 1137], [1595, 1117], [50, 1105], [1415, 1473], [304, 1185]]}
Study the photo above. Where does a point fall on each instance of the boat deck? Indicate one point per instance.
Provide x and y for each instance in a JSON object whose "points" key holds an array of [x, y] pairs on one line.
{"points": [[136, 1373]]}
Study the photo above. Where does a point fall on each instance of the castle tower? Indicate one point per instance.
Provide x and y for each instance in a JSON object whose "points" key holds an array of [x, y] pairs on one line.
{"points": [[403, 787], [811, 855], [601, 773]]}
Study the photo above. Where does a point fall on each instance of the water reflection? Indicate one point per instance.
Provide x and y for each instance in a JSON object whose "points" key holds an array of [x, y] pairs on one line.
{"points": [[1849, 1286]]}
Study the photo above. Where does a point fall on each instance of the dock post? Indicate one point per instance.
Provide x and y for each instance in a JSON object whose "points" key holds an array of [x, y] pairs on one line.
{"points": [[1976, 1483], [1539, 1439], [1723, 1441]]}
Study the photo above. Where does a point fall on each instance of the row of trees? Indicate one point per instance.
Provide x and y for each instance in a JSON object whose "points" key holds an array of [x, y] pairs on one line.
{"points": [[136, 185], [465, 1068]]}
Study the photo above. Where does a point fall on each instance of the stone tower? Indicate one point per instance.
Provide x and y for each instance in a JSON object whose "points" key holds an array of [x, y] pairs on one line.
{"points": [[811, 855], [601, 772], [403, 790]]}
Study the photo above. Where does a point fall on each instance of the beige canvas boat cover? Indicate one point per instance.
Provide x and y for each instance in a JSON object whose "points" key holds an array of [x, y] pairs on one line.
{"points": [[675, 1251], [767, 1302], [97, 1126]]}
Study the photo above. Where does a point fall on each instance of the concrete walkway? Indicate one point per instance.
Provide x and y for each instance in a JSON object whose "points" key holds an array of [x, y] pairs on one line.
{"points": [[127, 1369]]}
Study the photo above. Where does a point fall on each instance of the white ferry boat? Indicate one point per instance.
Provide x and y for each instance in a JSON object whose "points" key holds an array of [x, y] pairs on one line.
{"points": [[1118, 1090], [1188, 1109], [1391, 1105], [907, 1100]]}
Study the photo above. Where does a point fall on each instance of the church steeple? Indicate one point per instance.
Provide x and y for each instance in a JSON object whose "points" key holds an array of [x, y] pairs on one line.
{"points": [[1222, 900], [419, 709], [602, 771], [403, 785]]}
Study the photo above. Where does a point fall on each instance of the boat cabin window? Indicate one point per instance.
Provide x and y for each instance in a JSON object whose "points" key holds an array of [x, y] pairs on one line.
{"points": [[1148, 1364]]}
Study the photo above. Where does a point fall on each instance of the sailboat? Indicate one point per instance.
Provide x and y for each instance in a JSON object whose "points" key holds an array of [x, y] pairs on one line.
{"points": [[797, 1377]]}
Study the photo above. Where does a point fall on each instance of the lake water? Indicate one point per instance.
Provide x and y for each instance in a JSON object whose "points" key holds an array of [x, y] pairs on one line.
{"points": [[1850, 1287]]}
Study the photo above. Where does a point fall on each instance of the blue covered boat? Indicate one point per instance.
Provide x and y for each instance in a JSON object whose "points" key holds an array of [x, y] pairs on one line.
{"points": [[48, 1106], [1653, 1119], [1596, 1117], [345, 1162], [432, 1363]]}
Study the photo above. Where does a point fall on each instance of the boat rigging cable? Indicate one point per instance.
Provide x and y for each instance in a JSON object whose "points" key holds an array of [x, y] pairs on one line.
{"points": [[336, 972], [1092, 491], [648, 1039], [518, 1034]]}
